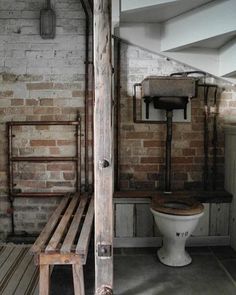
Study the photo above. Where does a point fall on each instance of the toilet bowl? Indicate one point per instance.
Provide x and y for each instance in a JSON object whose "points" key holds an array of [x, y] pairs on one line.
{"points": [[176, 219]]}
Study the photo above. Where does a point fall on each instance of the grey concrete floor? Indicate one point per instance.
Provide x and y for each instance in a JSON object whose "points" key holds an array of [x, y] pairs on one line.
{"points": [[138, 272]]}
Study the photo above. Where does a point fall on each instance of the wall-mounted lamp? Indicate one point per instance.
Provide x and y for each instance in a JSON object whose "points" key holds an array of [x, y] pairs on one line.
{"points": [[47, 22]]}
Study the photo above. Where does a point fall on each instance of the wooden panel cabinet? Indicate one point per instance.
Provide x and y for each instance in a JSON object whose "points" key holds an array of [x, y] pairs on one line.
{"points": [[230, 177]]}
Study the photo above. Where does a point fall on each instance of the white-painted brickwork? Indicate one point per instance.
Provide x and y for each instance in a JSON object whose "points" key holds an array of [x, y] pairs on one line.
{"points": [[39, 80]]}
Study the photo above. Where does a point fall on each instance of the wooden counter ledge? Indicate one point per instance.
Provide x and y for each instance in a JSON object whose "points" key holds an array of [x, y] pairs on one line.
{"points": [[219, 196]]}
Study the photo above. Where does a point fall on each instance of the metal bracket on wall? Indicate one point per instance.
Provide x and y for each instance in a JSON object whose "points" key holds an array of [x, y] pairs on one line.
{"points": [[104, 250]]}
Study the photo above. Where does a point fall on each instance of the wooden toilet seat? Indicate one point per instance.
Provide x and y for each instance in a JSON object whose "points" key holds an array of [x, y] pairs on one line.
{"points": [[177, 206]]}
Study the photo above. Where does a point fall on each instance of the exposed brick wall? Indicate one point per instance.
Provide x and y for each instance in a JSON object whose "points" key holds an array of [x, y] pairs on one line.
{"points": [[39, 80], [44, 80], [142, 146]]}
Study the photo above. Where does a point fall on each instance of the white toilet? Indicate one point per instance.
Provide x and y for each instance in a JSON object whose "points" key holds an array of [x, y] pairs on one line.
{"points": [[176, 219]]}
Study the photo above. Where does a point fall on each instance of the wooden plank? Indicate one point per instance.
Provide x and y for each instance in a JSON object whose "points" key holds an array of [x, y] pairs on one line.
{"points": [[52, 222], [144, 221], [29, 280], [78, 279], [202, 228], [70, 236], [17, 275], [58, 258], [9, 266], [103, 142], [124, 220], [60, 230], [44, 279], [233, 205], [84, 238], [219, 219], [36, 291], [6, 252]]}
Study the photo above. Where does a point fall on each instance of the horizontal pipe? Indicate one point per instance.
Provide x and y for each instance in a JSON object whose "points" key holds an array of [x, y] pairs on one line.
{"points": [[21, 123], [38, 194], [43, 159]]}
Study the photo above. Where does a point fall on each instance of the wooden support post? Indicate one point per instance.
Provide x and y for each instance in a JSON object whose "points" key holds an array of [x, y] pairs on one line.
{"points": [[103, 147], [78, 279], [44, 279]]}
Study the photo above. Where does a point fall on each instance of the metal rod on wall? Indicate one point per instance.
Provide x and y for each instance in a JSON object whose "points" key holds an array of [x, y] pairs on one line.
{"points": [[117, 47]]}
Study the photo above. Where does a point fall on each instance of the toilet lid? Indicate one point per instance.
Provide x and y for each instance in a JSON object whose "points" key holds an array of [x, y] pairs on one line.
{"points": [[177, 206]]}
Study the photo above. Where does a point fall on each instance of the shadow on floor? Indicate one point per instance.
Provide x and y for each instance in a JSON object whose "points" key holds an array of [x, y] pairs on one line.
{"points": [[138, 272]]}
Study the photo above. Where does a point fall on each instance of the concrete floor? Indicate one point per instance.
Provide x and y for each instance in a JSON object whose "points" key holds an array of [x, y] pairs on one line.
{"points": [[138, 272]]}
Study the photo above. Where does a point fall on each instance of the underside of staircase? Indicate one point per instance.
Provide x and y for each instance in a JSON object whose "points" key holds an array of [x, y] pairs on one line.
{"points": [[198, 33]]}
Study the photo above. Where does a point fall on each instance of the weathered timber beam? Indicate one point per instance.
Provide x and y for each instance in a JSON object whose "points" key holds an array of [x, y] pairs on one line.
{"points": [[103, 147]]}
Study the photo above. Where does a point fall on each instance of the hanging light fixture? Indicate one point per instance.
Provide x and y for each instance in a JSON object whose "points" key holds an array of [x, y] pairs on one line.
{"points": [[47, 22]]}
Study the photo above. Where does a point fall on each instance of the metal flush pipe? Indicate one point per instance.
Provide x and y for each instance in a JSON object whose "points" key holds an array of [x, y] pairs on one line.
{"points": [[169, 118], [86, 96]]}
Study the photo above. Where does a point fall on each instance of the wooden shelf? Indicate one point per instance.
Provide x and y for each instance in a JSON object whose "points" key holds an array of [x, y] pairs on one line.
{"points": [[219, 196]]}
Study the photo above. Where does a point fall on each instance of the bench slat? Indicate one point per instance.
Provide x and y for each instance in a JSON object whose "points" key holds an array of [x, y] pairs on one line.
{"points": [[69, 239], [83, 242], [46, 232], [60, 230]]}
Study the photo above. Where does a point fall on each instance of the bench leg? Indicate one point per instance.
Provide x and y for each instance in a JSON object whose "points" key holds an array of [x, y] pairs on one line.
{"points": [[44, 279], [78, 279]]}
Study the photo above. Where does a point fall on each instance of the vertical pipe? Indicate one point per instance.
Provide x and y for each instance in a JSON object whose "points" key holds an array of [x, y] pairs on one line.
{"points": [[10, 176], [215, 142], [86, 97], [206, 139], [86, 101], [77, 163], [169, 116], [117, 45], [103, 148]]}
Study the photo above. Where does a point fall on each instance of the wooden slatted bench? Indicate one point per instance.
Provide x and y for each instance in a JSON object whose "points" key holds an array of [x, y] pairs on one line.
{"points": [[65, 240]]}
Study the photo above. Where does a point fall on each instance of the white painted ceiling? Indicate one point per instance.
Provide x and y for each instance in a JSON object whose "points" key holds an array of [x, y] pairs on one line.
{"points": [[160, 12]]}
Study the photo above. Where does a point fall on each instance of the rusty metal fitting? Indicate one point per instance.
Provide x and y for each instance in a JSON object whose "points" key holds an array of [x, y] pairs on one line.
{"points": [[104, 290]]}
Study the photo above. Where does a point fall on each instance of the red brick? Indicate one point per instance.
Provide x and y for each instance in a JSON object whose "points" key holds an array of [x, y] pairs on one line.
{"points": [[139, 135], [189, 152], [39, 86], [46, 110], [31, 102], [146, 168], [182, 160], [196, 143], [65, 142], [17, 102], [60, 167], [7, 93], [69, 175], [77, 93], [152, 160], [46, 102], [41, 142], [153, 143]]}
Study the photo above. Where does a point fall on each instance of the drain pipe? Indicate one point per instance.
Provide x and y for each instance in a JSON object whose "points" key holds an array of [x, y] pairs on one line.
{"points": [[214, 142], [86, 97], [206, 139], [169, 119], [117, 46]]}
